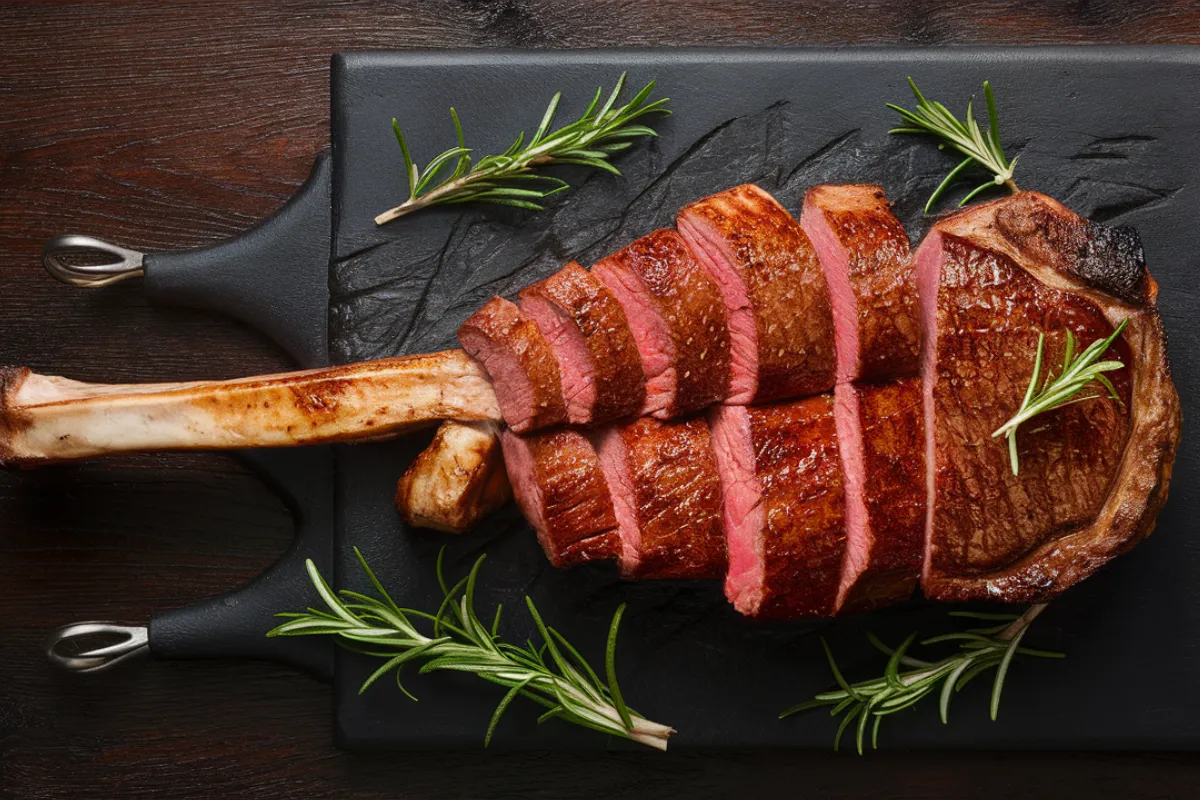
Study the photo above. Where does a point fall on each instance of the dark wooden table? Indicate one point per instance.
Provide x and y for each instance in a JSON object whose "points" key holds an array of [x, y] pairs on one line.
{"points": [[169, 125]]}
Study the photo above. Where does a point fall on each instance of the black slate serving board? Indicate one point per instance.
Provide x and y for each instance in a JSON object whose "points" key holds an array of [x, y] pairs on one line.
{"points": [[1111, 132]]}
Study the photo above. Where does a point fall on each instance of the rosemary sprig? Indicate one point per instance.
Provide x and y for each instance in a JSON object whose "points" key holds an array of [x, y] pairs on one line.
{"points": [[966, 137], [508, 179], [554, 675], [1078, 372], [980, 649]]}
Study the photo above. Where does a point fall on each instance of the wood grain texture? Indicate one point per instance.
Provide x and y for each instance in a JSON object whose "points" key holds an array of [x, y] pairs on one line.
{"points": [[168, 125]]}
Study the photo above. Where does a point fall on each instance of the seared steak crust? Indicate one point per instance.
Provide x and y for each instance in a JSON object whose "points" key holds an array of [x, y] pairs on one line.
{"points": [[859, 219], [616, 367], [1109, 260], [989, 314], [893, 445], [690, 303], [568, 496], [676, 500], [1093, 475], [456, 481], [803, 536], [540, 402], [789, 300]]}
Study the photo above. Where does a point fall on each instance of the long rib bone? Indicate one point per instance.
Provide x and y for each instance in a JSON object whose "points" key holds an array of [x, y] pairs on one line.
{"points": [[46, 419]]}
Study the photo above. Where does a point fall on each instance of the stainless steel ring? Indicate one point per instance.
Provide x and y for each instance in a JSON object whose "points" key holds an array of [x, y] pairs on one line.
{"points": [[122, 263], [136, 644]]}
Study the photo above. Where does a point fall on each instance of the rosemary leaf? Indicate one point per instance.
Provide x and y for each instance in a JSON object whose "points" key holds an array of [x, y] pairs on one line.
{"points": [[1002, 672], [978, 148], [948, 689], [568, 687], [1078, 373], [504, 704], [610, 667], [588, 141], [898, 690]]}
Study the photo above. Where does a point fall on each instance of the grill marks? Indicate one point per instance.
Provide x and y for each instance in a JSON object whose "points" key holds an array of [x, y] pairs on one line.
{"points": [[523, 369], [667, 498], [596, 352], [561, 488], [678, 319], [735, 307], [864, 251], [785, 507], [837, 501], [885, 494], [775, 294], [988, 314], [1094, 474]]}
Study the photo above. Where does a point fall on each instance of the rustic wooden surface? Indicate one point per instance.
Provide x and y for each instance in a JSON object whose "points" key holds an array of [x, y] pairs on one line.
{"points": [[170, 125]]}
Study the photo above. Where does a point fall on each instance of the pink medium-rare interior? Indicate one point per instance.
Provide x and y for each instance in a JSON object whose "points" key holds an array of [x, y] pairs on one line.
{"points": [[650, 332], [742, 508], [522, 474], [712, 251], [514, 390], [859, 537], [928, 263], [614, 460], [835, 263], [571, 352]]}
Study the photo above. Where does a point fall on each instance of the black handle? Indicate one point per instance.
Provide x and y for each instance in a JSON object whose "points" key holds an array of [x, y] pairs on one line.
{"points": [[235, 624], [274, 277]]}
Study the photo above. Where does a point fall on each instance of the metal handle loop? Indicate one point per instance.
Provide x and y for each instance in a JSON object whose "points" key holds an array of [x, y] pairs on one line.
{"points": [[124, 264], [135, 645]]}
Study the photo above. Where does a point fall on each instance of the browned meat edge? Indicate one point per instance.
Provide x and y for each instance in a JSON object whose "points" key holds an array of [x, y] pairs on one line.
{"points": [[1106, 266]]}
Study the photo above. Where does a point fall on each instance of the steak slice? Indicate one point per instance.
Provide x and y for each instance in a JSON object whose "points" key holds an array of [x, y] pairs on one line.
{"points": [[678, 319], [776, 298], [1094, 474], [598, 359], [864, 251], [519, 362], [560, 487], [881, 437], [784, 507], [667, 497]]}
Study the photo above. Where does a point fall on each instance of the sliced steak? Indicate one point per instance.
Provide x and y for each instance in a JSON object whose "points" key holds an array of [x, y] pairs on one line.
{"points": [[667, 497], [678, 320], [522, 367], [776, 298], [601, 368], [1094, 474], [784, 507], [561, 489], [881, 437], [864, 251]]}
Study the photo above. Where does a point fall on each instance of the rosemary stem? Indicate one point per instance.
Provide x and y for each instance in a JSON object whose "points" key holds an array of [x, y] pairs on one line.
{"points": [[642, 730], [1021, 622], [407, 207], [565, 683], [449, 188]]}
